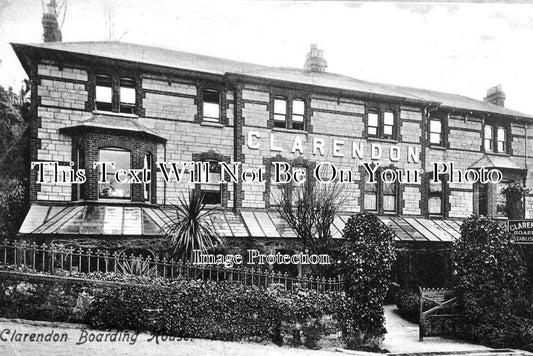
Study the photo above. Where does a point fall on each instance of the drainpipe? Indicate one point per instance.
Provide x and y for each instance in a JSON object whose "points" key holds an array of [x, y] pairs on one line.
{"points": [[525, 176]]}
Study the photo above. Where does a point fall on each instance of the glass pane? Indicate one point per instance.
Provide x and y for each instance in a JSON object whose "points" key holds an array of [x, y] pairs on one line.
{"points": [[387, 130], [127, 95], [501, 146], [435, 126], [372, 131], [435, 187], [488, 145], [388, 118], [488, 131], [434, 138], [211, 110], [103, 94], [280, 106], [211, 96], [501, 134], [389, 203], [389, 189], [370, 202], [122, 160], [298, 107], [147, 186], [434, 205], [297, 118], [372, 119]]}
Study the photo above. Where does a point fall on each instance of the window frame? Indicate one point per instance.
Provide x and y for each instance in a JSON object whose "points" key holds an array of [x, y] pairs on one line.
{"points": [[116, 105], [442, 195], [380, 194], [494, 140], [290, 98], [206, 192], [210, 118], [381, 110], [440, 120], [117, 149]]}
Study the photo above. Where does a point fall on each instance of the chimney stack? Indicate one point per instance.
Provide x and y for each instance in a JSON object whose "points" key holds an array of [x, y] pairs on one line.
{"points": [[495, 96], [51, 33], [315, 61]]}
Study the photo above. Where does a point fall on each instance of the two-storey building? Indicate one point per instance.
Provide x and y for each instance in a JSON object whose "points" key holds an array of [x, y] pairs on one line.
{"points": [[137, 105]]}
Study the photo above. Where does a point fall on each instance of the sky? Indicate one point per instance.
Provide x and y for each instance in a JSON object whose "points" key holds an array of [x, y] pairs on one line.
{"points": [[462, 48]]}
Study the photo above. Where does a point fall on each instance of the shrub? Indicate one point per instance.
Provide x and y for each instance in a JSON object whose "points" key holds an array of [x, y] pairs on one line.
{"points": [[490, 284], [366, 261], [222, 311], [408, 303]]}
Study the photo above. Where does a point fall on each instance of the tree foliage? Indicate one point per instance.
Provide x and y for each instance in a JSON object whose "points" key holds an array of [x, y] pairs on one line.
{"points": [[490, 283], [367, 256], [192, 228]]}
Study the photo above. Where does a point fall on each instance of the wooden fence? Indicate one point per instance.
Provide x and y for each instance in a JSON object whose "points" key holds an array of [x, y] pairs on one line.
{"points": [[439, 319], [59, 259]]}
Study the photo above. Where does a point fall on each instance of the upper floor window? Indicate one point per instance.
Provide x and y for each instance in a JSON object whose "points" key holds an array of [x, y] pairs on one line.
{"points": [[380, 197], [381, 123], [495, 139], [435, 196], [211, 105], [435, 132], [289, 114], [112, 189], [104, 93], [115, 98]]}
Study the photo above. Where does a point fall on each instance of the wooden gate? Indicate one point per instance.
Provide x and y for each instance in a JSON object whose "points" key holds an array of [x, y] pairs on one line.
{"points": [[438, 319]]}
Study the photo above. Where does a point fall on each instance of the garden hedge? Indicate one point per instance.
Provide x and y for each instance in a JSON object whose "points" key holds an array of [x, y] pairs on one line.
{"points": [[222, 311]]}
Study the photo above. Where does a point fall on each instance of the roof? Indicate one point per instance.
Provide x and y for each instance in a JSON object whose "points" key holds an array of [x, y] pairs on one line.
{"points": [[490, 161], [110, 122], [212, 65], [100, 219]]}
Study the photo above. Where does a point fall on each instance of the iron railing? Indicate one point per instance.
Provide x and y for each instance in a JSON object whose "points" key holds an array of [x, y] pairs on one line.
{"points": [[60, 259]]}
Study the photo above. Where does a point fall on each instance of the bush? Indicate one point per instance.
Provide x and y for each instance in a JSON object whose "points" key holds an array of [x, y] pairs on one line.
{"points": [[222, 311], [490, 285], [408, 303], [366, 261]]}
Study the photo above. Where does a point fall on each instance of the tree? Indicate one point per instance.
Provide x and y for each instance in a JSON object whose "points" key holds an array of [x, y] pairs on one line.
{"points": [[366, 260], [192, 228], [490, 282], [310, 212], [514, 200]]}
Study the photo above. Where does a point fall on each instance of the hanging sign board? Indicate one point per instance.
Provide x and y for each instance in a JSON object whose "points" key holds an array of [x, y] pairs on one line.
{"points": [[522, 231]]}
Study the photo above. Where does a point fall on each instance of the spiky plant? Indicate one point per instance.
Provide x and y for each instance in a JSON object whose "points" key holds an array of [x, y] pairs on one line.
{"points": [[192, 228]]}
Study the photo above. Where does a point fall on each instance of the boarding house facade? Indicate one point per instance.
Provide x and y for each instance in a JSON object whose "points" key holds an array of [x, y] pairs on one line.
{"points": [[139, 106]]}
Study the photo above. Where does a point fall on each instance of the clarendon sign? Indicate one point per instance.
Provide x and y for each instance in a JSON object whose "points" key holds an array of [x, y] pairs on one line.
{"points": [[522, 231]]}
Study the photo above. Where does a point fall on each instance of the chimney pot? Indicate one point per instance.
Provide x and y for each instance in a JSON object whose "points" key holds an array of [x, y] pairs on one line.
{"points": [[315, 61], [51, 31], [495, 95]]}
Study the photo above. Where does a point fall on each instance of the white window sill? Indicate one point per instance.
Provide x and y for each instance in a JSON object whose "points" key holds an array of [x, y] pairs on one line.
{"points": [[294, 131], [211, 123], [377, 139], [111, 113]]}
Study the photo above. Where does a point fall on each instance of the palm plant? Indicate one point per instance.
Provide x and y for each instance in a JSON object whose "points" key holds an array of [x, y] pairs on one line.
{"points": [[192, 228]]}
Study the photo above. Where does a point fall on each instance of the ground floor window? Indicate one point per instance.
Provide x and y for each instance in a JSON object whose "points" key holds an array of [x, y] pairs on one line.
{"points": [[112, 189]]}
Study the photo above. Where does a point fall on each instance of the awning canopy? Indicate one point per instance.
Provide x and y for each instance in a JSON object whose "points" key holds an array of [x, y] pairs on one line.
{"points": [[100, 219], [502, 162]]}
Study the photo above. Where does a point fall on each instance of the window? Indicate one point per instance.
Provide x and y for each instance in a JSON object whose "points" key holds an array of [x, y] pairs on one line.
{"points": [[121, 98], [289, 114], [112, 189], [211, 191], [380, 197], [280, 112], [211, 105], [435, 132], [435, 196], [495, 139], [381, 123], [104, 93], [127, 95], [148, 162]]}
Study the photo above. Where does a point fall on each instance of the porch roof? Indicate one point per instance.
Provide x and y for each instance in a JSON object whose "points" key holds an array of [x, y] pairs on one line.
{"points": [[112, 220]]}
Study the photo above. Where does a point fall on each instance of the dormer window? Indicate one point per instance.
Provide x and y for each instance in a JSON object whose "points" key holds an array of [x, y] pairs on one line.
{"points": [[211, 105]]}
